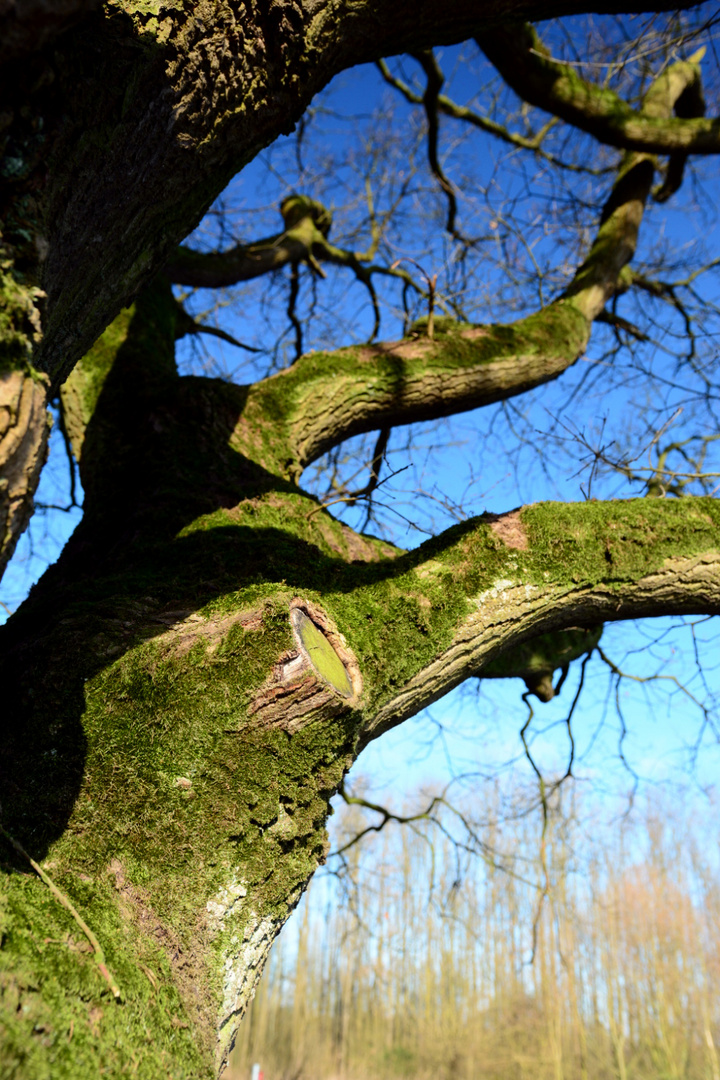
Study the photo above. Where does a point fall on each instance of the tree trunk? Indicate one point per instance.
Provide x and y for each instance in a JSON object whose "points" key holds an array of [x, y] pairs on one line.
{"points": [[188, 685]]}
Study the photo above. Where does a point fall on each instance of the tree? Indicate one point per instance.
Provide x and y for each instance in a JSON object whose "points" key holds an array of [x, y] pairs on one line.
{"points": [[188, 685]]}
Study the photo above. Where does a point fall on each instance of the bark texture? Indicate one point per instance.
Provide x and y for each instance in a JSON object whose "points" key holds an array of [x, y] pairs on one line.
{"points": [[188, 685], [24, 430]]}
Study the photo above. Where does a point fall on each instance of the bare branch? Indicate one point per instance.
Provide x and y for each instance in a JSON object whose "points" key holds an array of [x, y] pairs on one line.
{"points": [[450, 108]]}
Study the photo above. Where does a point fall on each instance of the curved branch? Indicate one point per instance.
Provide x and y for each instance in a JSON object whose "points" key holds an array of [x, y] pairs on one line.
{"points": [[326, 398], [307, 224], [186, 324], [385, 816], [430, 101], [525, 64], [496, 582], [304, 239]]}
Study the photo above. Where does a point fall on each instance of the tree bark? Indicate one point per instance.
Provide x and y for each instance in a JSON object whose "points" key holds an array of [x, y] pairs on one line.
{"points": [[24, 430], [188, 685]]}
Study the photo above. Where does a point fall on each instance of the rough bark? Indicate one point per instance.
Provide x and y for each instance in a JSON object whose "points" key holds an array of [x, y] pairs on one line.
{"points": [[188, 685], [24, 429]]}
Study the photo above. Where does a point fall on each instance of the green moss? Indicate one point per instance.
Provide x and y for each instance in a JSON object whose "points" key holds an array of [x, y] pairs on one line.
{"points": [[443, 326], [81, 390], [20, 328], [181, 791], [60, 1021], [558, 330], [618, 541], [399, 619]]}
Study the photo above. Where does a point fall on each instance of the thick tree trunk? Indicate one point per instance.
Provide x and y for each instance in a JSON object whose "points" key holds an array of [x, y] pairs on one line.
{"points": [[188, 685]]}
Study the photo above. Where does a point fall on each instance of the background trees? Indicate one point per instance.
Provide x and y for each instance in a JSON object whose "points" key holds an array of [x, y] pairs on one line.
{"points": [[425, 971], [190, 682]]}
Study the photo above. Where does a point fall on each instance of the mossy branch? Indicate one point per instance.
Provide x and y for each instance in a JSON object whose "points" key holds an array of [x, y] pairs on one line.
{"points": [[525, 64], [304, 240], [326, 398], [481, 590]]}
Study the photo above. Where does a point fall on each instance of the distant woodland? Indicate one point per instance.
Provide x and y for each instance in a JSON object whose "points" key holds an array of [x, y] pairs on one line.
{"points": [[429, 971]]}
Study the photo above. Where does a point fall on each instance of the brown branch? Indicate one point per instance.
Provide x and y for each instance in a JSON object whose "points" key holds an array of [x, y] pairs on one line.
{"points": [[434, 82], [385, 815], [307, 224], [584, 564], [186, 324], [304, 240]]}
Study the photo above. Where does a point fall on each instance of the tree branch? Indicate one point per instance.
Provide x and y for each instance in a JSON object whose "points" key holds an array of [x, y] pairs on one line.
{"points": [[461, 112], [430, 101], [326, 398], [307, 224], [186, 324], [525, 64], [304, 239], [486, 587]]}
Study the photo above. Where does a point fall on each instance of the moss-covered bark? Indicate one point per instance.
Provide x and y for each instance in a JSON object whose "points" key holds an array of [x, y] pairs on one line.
{"points": [[188, 685], [173, 748], [526, 65]]}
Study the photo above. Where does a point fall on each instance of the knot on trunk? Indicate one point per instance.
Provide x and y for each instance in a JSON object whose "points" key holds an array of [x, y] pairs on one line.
{"points": [[317, 679]]}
